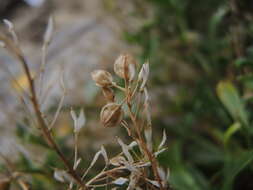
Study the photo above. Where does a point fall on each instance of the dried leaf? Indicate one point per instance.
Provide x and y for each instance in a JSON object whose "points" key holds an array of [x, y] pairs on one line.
{"points": [[130, 166], [132, 144], [160, 151], [95, 158], [92, 163], [143, 75], [120, 181], [78, 122], [147, 107], [162, 174], [153, 182], [49, 31], [148, 136], [134, 177], [73, 115], [163, 140], [77, 163], [60, 175], [125, 151], [104, 154], [10, 26]]}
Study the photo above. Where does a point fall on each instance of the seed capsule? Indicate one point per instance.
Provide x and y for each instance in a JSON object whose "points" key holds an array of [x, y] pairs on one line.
{"points": [[108, 94], [102, 78], [111, 115], [124, 66]]}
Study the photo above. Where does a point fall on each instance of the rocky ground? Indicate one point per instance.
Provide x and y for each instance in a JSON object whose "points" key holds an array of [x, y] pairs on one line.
{"points": [[87, 35]]}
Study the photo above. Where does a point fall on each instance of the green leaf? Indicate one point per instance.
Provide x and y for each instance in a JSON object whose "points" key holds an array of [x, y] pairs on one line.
{"points": [[216, 20], [234, 165], [230, 98], [230, 131], [242, 62], [182, 176], [247, 80]]}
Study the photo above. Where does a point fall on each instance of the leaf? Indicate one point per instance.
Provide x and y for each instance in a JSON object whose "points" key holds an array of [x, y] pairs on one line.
{"points": [[77, 163], [92, 163], [148, 137], [49, 31], [62, 176], [163, 140], [125, 151], [104, 154], [134, 177], [216, 20], [230, 98], [132, 144], [181, 177], [120, 181], [234, 165], [58, 175], [79, 121], [230, 131], [143, 75]]}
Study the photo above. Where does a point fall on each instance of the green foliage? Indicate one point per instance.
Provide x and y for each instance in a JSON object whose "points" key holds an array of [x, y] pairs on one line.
{"points": [[194, 56], [229, 96]]}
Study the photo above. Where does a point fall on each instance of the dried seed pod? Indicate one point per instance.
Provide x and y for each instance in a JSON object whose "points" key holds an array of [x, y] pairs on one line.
{"points": [[111, 115], [102, 78], [124, 67], [108, 94]]}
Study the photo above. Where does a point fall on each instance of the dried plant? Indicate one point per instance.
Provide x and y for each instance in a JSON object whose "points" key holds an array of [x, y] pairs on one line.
{"points": [[136, 165]]}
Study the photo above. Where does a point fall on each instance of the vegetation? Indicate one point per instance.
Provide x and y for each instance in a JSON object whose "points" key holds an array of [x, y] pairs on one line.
{"points": [[198, 57], [201, 55]]}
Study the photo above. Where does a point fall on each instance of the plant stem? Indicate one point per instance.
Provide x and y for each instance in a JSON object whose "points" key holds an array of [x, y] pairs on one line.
{"points": [[43, 126]]}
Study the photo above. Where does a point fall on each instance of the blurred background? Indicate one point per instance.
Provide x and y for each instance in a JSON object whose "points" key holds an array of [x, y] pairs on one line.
{"points": [[200, 55]]}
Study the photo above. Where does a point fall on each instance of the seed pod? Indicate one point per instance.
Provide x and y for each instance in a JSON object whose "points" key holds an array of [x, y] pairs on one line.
{"points": [[102, 78], [111, 115], [124, 67], [108, 94]]}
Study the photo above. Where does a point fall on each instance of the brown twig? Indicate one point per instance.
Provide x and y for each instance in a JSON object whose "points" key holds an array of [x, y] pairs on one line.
{"points": [[140, 139], [39, 116], [43, 126]]}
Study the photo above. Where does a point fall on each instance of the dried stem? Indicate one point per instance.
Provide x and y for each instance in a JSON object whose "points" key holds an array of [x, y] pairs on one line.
{"points": [[150, 155], [141, 141], [42, 124]]}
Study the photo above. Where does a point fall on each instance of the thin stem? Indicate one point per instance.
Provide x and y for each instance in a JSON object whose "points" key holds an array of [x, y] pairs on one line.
{"points": [[118, 87], [150, 156], [43, 126], [42, 69], [102, 173], [76, 150]]}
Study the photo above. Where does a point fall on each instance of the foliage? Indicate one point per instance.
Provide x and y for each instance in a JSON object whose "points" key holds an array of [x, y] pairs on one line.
{"points": [[202, 57]]}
